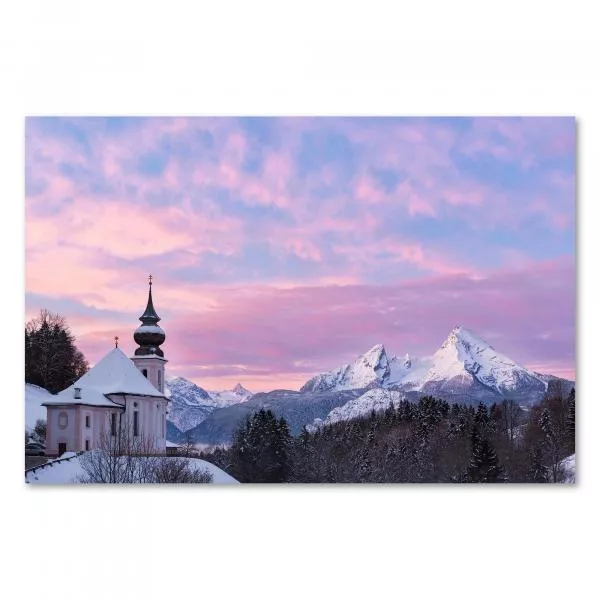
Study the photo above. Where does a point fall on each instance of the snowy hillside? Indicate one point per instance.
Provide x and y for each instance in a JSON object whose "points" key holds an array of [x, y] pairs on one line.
{"points": [[368, 369], [34, 396], [68, 470], [376, 399], [568, 469]]}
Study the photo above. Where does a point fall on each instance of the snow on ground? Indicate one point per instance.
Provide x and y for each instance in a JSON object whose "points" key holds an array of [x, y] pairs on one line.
{"points": [[34, 396], [568, 466], [68, 470], [376, 399]]}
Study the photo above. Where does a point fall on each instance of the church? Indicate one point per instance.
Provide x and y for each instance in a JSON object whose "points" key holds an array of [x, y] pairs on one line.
{"points": [[117, 392]]}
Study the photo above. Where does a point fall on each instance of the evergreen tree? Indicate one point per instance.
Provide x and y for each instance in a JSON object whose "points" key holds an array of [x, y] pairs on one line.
{"points": [[261, 449], [52, 360], [570, 425], [537, 471], [483, 467]]}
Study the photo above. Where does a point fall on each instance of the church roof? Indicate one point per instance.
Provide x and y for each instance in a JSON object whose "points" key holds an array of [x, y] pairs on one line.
{"points": [[150, 317], [89, 396], [114, 374]]}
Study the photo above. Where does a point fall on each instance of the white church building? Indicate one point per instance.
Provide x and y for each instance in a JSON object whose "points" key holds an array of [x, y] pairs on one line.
{"points": [[118, 391]]}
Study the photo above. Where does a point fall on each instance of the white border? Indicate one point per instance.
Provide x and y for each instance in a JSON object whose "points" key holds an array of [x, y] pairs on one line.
{"points": [[308, 58]]}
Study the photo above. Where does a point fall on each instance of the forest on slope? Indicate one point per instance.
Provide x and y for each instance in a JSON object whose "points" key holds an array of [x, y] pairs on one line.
{"points": [[430, 441]]}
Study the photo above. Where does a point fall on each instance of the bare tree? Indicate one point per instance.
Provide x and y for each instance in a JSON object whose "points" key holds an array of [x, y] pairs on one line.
{"points": [[128, 458], [39, 431], [188, 448], [510, 419], [179, 470]]}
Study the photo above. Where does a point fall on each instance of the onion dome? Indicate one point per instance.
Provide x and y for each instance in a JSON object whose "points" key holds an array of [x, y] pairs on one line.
{"points": [[149, 336]]}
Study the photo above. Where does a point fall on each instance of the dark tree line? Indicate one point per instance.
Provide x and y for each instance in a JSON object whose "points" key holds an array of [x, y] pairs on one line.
{"points": [[52, 360], [428, 441], [261, 450]]}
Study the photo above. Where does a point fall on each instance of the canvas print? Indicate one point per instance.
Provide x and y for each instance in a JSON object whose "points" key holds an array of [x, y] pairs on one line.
{"points": [[330, 300]]}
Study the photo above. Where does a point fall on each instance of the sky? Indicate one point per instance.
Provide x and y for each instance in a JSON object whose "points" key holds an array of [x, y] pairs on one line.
{"points": [[284, 247]]}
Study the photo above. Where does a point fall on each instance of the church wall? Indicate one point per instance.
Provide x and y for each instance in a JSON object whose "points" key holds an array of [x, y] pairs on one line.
{"points": [[61, 428], [153, 365], [76, 433], [152, 418]]}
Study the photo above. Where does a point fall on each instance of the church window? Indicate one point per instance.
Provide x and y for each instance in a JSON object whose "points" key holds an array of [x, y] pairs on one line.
{"points": [[87, 444], [136, 423], [87, 421], [113, 424], [145, 373], [63, 420], [159, 382]]}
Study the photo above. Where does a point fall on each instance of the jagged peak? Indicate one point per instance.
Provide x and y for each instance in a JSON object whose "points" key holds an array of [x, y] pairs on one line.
{"points": [[463, 334], [375, 353], [240, 389]]}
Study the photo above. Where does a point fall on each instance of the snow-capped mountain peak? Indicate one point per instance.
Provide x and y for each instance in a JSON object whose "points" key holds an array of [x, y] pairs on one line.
{"points": [[464, 357], [227, 397], [241, 390], [191, 404], [465, 364], [370, 368]]}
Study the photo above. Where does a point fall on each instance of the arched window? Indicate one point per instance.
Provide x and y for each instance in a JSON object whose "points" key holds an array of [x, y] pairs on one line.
{"points": [[159, 381], [145, 373]]}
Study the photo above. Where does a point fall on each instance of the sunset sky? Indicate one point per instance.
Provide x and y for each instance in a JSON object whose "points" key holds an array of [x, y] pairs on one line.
{"points": [[282, 247]]}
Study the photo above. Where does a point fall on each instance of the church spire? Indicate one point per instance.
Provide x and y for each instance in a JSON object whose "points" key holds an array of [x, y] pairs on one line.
{"points": [[150, 317], [149, 336]]}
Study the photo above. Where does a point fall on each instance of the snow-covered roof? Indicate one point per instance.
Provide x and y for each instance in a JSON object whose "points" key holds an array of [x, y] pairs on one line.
{"points": [[88, 395], [116, 374], [68, 469], [149, 329]]}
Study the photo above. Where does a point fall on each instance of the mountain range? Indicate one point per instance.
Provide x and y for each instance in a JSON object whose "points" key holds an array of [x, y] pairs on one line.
{"points": [[191, 404], [464, 369]]}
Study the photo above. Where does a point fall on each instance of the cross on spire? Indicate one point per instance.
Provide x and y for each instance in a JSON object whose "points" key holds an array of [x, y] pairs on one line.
{"points": [[116, 341], [150, 279]]}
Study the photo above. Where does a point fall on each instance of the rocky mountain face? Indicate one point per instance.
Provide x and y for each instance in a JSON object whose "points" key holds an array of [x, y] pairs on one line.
{"points": [[370, 368], [191, 404]]}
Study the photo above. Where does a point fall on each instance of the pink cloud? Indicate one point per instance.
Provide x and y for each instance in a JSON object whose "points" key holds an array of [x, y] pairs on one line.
{"points": [[270, 337], [403, 252]]}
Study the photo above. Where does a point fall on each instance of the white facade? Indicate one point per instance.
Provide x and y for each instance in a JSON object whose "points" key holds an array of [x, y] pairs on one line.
{"points": [[113, 394], [152, 367]]}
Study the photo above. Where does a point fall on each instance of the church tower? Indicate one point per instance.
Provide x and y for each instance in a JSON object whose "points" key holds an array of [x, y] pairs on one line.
{"points": [[149, 358]]}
